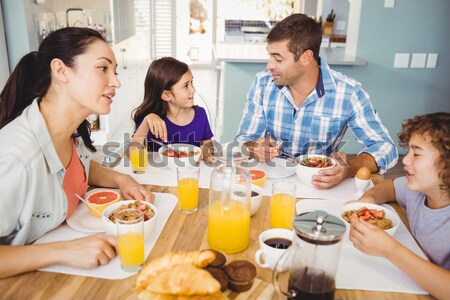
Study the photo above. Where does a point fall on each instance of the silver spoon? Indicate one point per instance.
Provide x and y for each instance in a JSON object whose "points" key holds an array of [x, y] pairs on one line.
{"points": [[164, 145], [91, 206]]}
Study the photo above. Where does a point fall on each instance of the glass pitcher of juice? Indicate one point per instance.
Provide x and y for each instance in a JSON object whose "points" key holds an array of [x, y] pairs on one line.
{"points": [[229, 209]]}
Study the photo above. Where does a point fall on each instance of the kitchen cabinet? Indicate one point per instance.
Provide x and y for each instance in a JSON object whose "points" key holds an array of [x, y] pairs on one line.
{"points": [[133, 59]]}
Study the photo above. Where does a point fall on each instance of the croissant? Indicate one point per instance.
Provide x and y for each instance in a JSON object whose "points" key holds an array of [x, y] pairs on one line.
{"points": [[147, 295], [199, 259], [184, 280]]}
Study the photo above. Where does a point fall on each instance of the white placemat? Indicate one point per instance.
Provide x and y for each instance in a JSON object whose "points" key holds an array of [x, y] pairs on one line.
{"points": [[165, 204], [165, 176], [358, 271]]}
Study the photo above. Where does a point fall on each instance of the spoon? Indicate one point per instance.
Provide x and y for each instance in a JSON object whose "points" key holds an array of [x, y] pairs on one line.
{"points": [[91, 206], [164, 145]]}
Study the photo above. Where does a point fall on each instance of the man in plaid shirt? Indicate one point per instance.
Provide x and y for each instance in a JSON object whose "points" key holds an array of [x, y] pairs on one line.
{"points": [[306, 107]]}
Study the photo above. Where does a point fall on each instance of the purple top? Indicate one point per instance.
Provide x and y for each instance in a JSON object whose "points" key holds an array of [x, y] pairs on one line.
{"points": [[193, 133]]}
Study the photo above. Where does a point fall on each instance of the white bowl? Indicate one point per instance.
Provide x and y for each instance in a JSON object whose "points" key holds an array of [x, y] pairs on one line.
{"points": [[174, 162], [305, 173], [255, 202], [388, 213], [111, 229]]}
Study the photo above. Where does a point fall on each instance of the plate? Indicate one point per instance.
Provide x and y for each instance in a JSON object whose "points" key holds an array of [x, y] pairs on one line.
{"points": [[278, 168], [83, 220]]}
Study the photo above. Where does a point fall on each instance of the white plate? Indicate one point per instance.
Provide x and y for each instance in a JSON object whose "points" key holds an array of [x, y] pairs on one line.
{"points": [[83, 220], [278, 168]]}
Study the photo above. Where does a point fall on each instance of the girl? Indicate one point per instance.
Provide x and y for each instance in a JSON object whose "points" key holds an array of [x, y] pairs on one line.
{"points": [[424, 193], [168, 112], [44, 138]]}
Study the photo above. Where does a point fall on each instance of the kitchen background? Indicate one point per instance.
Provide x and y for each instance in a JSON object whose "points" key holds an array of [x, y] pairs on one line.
{"points": [[397, 49]]}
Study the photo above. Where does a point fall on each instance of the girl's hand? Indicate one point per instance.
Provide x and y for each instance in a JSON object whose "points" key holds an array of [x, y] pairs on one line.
{"points": [[157, 126], [370, 239], [88, 252], [131, 189]]}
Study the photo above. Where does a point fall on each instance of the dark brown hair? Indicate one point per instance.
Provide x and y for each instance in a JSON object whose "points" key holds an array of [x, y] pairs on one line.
{"points": [[303, 33], [31, 77], [437, 127], [162, 74]]}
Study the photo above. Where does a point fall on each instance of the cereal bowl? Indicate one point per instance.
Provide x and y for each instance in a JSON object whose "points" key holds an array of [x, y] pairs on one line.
{"points": [[309, 165], [185, 155], [149, 224], [374, 209]]}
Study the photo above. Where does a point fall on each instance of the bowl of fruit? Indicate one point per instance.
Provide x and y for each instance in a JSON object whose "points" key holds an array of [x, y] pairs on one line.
{"points": [[179, 155]]}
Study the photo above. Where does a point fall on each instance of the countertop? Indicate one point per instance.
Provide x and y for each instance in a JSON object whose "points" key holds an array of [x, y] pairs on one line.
{"points": [[257, 53]]}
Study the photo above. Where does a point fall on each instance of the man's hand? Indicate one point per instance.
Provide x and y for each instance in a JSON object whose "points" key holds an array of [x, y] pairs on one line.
{"points": [[263, 149], [331, 177]]}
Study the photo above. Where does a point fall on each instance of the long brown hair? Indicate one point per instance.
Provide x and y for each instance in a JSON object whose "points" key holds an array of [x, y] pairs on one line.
{"points": [[31, 77], [162, 74], [437, 127], [302, 32]]}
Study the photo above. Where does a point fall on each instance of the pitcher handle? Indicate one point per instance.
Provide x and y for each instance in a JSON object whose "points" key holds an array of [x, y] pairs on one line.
{"points": [[281, 267]]}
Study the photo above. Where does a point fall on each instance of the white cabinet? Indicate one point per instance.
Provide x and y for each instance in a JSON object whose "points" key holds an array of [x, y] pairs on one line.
{"points": [[133, 59]]}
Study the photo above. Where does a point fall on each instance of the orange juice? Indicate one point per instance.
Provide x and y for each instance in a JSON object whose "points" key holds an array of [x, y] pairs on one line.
{"points": [[228, 226], [131, 249], [139, 159], [282, 211], [188, 194]]}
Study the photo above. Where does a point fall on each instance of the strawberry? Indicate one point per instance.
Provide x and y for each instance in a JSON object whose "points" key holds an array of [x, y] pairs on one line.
{"points": [[170, 153], [379, 214], [363, 212], [143, 207], [365, 217]]}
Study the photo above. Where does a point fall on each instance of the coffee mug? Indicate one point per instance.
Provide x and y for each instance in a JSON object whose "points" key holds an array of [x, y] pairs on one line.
{"points": [[272, 244]]}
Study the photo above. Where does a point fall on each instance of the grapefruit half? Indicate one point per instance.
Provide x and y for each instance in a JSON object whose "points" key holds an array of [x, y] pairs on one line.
{"points": [[101, 200], [258, 177]]}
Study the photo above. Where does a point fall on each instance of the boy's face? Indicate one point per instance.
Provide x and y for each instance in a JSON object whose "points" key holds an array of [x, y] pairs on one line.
{"points": [[421, 165]]}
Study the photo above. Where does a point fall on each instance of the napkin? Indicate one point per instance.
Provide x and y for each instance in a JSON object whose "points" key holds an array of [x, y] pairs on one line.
{"points": [[165, 204]]}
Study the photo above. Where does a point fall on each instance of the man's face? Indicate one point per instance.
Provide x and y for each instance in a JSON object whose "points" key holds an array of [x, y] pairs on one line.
{"points": [[285, 71]]}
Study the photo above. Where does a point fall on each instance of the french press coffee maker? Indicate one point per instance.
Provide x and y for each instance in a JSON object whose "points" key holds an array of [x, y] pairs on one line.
{"points": [[308, 268]]}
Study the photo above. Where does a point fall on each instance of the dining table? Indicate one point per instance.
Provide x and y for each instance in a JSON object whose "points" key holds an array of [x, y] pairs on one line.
{"points": [[182, 232]]}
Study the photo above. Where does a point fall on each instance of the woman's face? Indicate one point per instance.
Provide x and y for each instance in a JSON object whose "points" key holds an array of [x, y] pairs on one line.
{"points": [[182, 92], [421, 165], [93, 79]]}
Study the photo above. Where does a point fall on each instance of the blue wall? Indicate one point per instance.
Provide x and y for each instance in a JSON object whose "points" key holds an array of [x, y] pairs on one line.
{"points": [[412, 26]]}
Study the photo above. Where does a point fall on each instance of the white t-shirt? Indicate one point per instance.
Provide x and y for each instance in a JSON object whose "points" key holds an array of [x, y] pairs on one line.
{"points": [[430, 227]]}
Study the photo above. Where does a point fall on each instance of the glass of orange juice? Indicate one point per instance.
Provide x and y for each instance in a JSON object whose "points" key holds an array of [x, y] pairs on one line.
{"points": [[130, 232], [188, 189], [282, 205], [138, 154]]}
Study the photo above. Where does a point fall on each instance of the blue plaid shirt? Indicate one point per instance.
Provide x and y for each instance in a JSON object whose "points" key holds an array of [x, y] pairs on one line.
{"points": [[319, 124]]}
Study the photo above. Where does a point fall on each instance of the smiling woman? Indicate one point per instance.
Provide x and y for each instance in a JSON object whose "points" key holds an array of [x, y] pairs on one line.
{"points": [[44, 143]]}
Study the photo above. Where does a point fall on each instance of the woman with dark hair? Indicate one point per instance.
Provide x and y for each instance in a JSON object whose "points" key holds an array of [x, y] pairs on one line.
{"points": [[168, 111], [44, 143]]}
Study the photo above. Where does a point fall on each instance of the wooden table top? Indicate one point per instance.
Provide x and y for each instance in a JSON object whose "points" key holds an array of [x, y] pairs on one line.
{"points": [[181, 233]]}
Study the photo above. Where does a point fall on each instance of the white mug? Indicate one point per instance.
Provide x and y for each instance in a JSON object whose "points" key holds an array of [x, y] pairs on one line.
{"points": [[271, 254]]}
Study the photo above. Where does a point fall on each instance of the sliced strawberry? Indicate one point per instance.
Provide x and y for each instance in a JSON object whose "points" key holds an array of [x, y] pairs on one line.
{"points": [[145, 218], [143, 207], [378, 214], [365, 217], [170, 153], [363, 212]]}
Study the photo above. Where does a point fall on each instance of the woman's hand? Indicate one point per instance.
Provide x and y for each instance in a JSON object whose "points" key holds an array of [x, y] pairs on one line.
{"points": [[88, 252], [157, 126], [131, 189], [370, 239]]}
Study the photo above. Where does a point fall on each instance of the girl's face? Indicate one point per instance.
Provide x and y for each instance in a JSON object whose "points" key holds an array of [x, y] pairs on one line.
{"points": [[181, 94], [93, 79], [421, 165]]}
